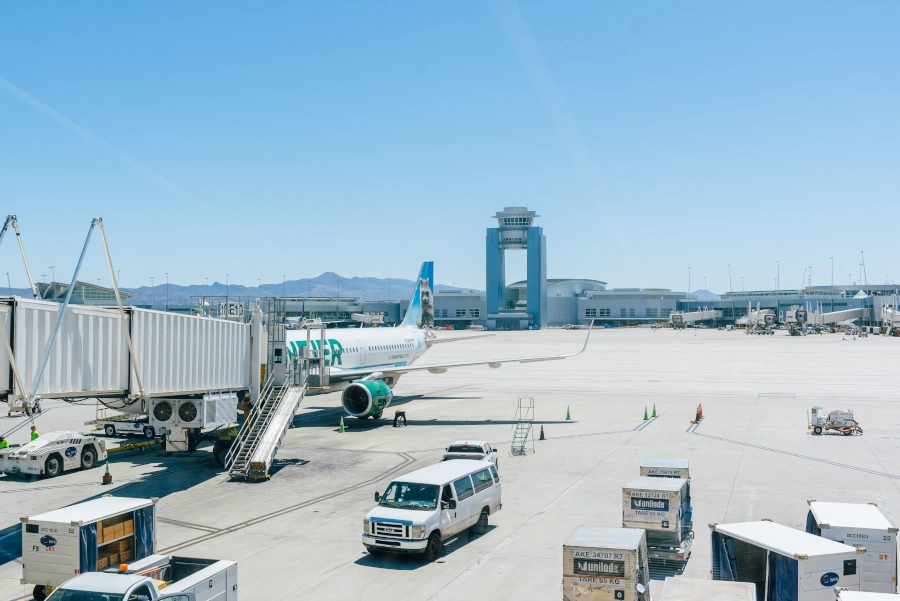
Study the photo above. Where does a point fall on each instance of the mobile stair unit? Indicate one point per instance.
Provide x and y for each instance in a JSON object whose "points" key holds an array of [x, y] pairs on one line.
{"points": [[253, 451], [523, 440]]}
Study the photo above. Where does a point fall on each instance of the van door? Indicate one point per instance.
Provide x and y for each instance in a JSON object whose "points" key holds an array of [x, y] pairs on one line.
{"points": [[465, 502], [448, 521]]}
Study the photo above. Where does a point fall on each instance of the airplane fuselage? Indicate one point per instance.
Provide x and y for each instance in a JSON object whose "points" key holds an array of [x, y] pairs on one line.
{"points": [[375, 349]]}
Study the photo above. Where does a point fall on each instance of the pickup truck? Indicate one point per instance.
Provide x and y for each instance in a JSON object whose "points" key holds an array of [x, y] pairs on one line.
{"points": [[478, 450], [155, 578]]}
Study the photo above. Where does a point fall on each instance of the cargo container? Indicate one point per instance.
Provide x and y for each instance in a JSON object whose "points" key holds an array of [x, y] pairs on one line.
{"points": [[188, 354], [665, 467], [845, 595], [860, 524], [606, 564], [783, 563], [662, 507], [85, 537], [693, 589], [90, 357]]}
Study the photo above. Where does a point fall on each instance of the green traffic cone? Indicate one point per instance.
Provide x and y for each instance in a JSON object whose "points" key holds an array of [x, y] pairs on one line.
{"points": [[645, 413], [568, 414], [654, 410], [342, 424]]}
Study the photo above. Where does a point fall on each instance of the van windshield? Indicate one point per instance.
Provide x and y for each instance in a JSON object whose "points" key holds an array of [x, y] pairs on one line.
{"points": [[406, 495]]}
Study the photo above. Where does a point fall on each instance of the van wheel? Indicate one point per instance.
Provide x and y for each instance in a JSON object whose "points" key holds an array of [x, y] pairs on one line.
{"points": [[88, 458], [481, 525], [39, 593], [433, 549], [53, 467]]}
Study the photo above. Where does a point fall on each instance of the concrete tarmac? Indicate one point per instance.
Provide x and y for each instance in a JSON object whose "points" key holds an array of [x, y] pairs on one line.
{"points": [[298, 534]]}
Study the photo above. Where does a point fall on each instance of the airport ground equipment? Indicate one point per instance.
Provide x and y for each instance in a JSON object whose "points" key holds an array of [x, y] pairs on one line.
{"points": [[836, 421], [783, 563], [662, 507], [251, 453], [85, 537], [890, 319], [795, 319], [860, 524], [12, 221], [601, 564], [681, 319], [159, 578], [53, 453], [523, 439], [126, 425], [694, 589], [848, 595]]}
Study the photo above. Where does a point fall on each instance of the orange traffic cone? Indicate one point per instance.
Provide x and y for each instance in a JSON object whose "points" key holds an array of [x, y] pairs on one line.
{"points": [[700, 410]]}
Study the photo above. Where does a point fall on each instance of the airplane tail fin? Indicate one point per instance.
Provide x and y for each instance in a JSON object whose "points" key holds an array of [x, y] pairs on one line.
{"points": [[421, 307]]}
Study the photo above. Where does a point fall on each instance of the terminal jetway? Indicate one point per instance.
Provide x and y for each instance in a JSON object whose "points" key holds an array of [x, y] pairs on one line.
{"points": [[680, 319], [758, 321]]}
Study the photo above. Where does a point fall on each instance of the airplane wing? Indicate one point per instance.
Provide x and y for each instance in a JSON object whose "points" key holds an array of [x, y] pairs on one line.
{"points": [[440, 368]]}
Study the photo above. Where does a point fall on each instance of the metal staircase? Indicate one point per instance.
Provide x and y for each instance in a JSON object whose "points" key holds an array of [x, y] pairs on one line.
{"points": [[252, 452], [523, 441]]}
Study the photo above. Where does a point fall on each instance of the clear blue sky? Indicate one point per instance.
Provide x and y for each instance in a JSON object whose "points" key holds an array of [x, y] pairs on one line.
{"points": [[294, 138]]}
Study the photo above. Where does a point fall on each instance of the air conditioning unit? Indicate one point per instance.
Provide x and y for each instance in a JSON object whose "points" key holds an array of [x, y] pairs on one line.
{"points": [[191, 413], [163, 413], [208, 412]]}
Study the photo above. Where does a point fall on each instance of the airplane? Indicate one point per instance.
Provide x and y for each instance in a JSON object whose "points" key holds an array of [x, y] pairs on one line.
{"points": [[370, 361]]}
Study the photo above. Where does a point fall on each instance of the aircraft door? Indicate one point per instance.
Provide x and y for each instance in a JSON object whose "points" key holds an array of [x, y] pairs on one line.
{"points": [[362, 352]]}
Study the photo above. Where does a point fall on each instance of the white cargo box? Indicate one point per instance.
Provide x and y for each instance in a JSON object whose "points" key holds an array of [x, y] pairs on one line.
{"points": [[63, 543], [783, 562], [860, 524], [843, 595], [665, 467], [693, 589], [606, 564], [661, 506]]}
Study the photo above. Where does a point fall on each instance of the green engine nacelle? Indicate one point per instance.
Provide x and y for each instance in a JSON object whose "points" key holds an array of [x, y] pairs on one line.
{"points": [[366, 397]]}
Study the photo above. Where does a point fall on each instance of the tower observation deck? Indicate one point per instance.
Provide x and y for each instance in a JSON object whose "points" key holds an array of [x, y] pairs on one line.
{"points": [[516, 231]]}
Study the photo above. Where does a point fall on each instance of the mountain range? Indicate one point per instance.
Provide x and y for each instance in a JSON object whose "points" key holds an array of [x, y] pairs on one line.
{"points": [[329, 284]]}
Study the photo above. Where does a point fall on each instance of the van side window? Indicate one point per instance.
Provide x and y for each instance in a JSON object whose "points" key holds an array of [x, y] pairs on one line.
{"points": [[495, 474], [463, 488], [446, 494], [482, 480]]}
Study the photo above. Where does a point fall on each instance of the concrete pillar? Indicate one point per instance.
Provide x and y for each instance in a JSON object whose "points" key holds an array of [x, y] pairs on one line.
{"points": [[537, 276], [495, 270]]}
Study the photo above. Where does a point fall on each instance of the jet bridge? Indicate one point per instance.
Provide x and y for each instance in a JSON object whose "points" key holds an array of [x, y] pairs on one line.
{"points": [[824, 319], [680, 319]]}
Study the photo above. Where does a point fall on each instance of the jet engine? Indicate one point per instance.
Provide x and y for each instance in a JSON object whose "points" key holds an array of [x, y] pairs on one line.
{"points": [[365, 398]]}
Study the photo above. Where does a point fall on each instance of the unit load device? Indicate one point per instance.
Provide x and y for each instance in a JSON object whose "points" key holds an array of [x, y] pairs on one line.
{"points": [[601, 564], [860, 524], [694, 589], [783, 563], [662, 507], [85, 537]]}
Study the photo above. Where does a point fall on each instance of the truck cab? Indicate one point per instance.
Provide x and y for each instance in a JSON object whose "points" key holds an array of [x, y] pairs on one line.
{"points": [[114, 587]]}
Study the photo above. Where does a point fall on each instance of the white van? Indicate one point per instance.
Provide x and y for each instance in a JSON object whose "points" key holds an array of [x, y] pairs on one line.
{"points": [[421, 509]]}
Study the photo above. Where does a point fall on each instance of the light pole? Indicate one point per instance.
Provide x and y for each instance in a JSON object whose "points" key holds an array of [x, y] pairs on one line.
{"points": [[207, 286], [283, 285], [810, 276], [705, 291], [730, 289], [742, 284], [52, 268], [227, 287], [8, 284], [258, 286]]}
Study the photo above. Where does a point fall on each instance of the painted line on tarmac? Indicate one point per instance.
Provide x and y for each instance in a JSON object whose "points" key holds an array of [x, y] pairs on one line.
{"points": [[407, 460], [172, 522], [693, 427], [26, 421], [644, 424], [797, 455]]}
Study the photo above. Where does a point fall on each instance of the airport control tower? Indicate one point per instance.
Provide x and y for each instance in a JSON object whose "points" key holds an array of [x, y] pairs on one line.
{"points": [[516, 232]]}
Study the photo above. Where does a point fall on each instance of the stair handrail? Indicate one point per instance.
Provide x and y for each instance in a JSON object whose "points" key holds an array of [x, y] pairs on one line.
{"points": [[259, 426], [244, 432]]}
